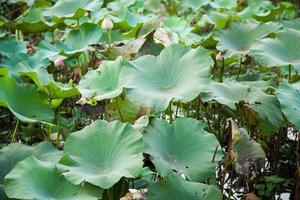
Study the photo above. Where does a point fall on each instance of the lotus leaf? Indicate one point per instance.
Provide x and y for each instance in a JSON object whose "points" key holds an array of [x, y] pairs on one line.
{"points": [[281, 51], [72, 8], [102, 83], [31, 107], [110, 151], [266, 107], [16, 152], [78, 40], [175, 188], [182, 146], [34, 179], [288, 96], [239, 37], [154, 81]]}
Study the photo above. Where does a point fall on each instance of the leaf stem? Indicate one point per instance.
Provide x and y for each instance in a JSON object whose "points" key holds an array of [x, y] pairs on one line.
{"points": [[170, 112], [109, 38], [119, 111], [240, 69], [15, 131], [290, 73], [222, 71]]}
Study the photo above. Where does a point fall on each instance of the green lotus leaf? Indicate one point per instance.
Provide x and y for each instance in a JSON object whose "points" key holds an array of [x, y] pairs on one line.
{"points": [[154, 81], [110, 151], [72, 8], [265, 108], [78, 40], [288, 96], [182, 146], [293, 24], [217, 4], [175, 188], [31, 108], [46, 83], [239, 37], [9, 47], [16, 152], [281, 51], [255, 8], [33, 21], [127, 19], [182, 27], [21, 61], [284, 10], [34, 179], [102, 83], [194, 4]]}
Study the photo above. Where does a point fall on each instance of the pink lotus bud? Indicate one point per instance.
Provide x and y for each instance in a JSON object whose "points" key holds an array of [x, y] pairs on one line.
{"points": [[59, 62], [219, 57], [107, 23]]}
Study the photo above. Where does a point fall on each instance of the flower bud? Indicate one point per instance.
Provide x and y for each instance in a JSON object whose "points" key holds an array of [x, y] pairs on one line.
{"points": [[219, 57], [107, 23], [59, 62]]}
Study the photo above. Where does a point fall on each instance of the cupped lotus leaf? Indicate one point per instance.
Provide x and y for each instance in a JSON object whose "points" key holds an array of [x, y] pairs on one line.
{"points": [[264, 107], [35, 179], [281, 51], [127, 19], [240, 37], [248, 153], [78, 40], [154, 81], [16, 152], [46, 83], [288, 96], [31, 107], [176, 188], [72, 8], [182, 146], [102, 83], [109, 152], [9, 47]]}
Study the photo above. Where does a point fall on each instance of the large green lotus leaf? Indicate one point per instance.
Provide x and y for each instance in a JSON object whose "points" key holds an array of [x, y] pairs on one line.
{"points": [[183, 146], [102, 83], [9, 47], [127, 19], [72, 8], [78, 40], [35, 179], [110, 151], [16, 152], [288, 96], [46, 83], [31, 107], [154, 81], [266, 107], [175, 188], [281, 51], [240, 37]]}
